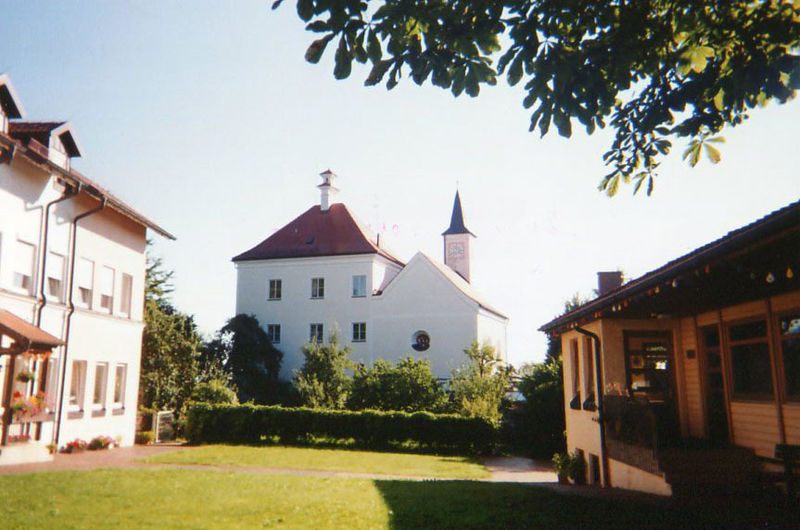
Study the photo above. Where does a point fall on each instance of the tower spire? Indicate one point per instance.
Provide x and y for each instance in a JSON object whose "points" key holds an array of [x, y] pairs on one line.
{"points": [[457, 219], [457, 237]]}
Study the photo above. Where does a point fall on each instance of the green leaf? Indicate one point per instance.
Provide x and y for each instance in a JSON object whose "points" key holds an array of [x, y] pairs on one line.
{"points": [[713, 154], [305, 9], [314, 51], [374, 47], [563, 124], [342, 61], [276, 4], [515, 70], [318, 26], [693, 152], [719, 100], [378, 71]]}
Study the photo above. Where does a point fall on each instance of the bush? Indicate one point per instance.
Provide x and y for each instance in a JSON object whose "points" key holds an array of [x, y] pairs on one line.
{"points": [[144, 437], [408, 386], [370, 428], [537, 424], [570, 466], [100, 442], [75, 446], [215, 392]]}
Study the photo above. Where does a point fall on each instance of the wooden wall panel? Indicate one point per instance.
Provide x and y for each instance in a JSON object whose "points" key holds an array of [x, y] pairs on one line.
{"points": [[791, 418], [755, 425], [692, 384]]}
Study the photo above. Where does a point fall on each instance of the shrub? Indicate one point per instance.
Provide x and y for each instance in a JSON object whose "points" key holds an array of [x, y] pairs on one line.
{"points": [[215, 392], [572, 466], [478, 387], [322, 381], [537, 424], [100, 442], [369, 428], [144, 437], [408, 386]]}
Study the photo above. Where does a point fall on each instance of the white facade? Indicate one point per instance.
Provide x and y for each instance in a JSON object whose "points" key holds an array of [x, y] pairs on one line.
{"points": [[380, 316], [103, 335]]}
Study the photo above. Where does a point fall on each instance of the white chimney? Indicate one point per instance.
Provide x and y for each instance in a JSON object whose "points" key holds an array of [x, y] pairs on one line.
{"points": [[327, 190]]}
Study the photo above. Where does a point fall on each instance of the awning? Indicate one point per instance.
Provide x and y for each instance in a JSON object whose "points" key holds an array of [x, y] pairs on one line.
{"points": [[26, 335]]}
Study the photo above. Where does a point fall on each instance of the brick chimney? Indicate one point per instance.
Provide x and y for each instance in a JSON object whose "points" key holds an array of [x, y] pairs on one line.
{"points": [[608, 281]]}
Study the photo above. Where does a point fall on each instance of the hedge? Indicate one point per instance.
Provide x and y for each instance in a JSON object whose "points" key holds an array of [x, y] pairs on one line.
{"points": [[247, 424]]}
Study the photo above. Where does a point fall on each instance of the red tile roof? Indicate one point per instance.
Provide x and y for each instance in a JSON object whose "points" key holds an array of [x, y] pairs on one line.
{"points": [[316, 233]]}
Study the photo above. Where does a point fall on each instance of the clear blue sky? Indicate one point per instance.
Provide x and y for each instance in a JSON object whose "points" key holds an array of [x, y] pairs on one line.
{"points": [[204, 116]]}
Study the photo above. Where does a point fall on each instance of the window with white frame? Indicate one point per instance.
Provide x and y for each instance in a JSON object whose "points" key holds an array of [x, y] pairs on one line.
{"points": [[77, 385], [274, 333], [100, 382], [84, 279], [359, 331], [316, 333], [107, 288], [55, 276], [359, 286], [125, 295], [317, 287], [25, 266], [275, 287], [120, 374]]}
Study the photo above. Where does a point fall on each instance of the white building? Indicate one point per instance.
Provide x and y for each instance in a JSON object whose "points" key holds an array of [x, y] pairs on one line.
{"points": [[324, 271], [72, 267]]}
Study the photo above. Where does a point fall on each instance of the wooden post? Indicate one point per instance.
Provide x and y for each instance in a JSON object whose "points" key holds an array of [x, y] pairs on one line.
{"points": [[7, 416]]}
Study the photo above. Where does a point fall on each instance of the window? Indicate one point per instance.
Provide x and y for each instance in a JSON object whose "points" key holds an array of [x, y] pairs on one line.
{"points": [[125, 295], [752, 372], [274, 333], [119, 385], [107, 288], [25, 265], [77, 385], [317, 287], [789, 329], [55, 276], [84, 279], [316, 333], [359, 331], [575, 367], [359, 286], [100, 379], [588, 364], [420, 341], [275, 289]]}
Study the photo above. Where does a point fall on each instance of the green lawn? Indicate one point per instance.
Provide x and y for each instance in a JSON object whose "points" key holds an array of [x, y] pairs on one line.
{"points": [[184, 498], [326, 460]]}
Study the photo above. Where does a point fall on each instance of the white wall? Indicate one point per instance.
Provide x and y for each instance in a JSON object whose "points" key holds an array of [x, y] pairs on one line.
{"points": [[107, 238]]}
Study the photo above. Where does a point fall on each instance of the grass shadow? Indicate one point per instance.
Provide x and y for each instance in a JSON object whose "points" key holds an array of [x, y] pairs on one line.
{"points": [[465, 504]]}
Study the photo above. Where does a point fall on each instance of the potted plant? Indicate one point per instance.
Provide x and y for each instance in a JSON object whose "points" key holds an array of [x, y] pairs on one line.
{"points": [[75, 446], [562, 465]]}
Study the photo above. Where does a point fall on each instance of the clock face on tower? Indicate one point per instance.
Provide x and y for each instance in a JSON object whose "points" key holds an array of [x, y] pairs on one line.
{"points": [[455, 250]]}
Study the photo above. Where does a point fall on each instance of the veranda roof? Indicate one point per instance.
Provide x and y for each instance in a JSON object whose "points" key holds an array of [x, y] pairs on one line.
{"points": [[25, 332]]}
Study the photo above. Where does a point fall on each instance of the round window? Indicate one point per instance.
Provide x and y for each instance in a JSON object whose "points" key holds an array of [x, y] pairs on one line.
{"points": [[421, 341]]}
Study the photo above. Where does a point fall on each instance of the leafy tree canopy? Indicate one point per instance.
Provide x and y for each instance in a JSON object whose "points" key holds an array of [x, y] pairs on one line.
{"points": [[245, 352], [654, 70], [478, 388], [322, 382]]}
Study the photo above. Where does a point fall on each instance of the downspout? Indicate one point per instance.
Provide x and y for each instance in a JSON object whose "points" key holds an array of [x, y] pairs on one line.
{"points": [[68, 194], [60, 414], [600, 385]]}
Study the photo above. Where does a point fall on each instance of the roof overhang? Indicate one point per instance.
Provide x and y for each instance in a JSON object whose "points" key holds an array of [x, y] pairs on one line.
{"points": [[756, 261], [12, 107], [67, 136], [26, 336]]}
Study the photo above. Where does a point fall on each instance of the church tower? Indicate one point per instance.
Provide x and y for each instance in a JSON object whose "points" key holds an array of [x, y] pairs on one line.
{"points": [[456, 242]]}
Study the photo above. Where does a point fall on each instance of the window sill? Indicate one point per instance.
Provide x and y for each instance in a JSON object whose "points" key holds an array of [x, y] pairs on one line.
{"points": [[74, 414], [118, 411], [98, 413], [357, 340], [754, 400], [273, 299], [317, 298], [359, 296]]}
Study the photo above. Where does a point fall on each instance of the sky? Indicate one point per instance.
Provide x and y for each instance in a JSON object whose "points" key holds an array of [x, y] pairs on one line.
{"points": [[205, 117]]}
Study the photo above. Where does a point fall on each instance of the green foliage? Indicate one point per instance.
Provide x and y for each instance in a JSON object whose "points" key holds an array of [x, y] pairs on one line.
{"points": [[215, 392], [370, 428], [409, 386], [570, 466], [477, 389], [170, 346], [655, 71], [244, 351], [541, 416], [144, 437], [322, 381]]}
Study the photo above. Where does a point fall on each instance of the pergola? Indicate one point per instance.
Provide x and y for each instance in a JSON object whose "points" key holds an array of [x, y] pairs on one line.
{"points": [[21, 338]]}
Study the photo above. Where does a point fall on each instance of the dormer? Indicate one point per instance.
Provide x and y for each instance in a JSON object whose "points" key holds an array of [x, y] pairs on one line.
{"points": [[10, 106], [53, 140]]}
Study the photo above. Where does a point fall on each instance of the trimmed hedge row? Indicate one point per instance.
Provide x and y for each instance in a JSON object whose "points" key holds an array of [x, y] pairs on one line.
{"points": [[206, 423]]}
